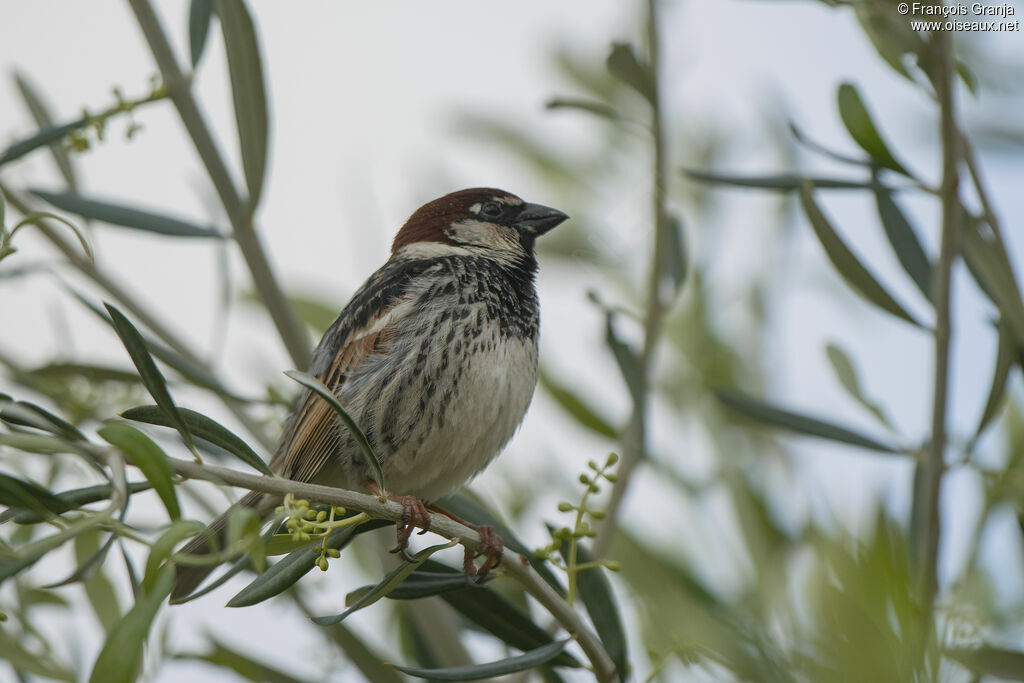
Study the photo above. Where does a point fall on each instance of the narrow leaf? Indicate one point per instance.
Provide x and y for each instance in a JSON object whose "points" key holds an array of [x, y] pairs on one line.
{"points": [[150, 374], [19, 493], [47, 136], [862, 129], [318, 387], [119, 659], [629, 364], [200, 14], [1005, 356], [990, 266], [845, 262], [387, 584], [847, 376], [623, 63], [763, 412], [574, 404], [474, 672], [202, 427], [164, 546], [362, 655], [125, 216], [782, 182], [904, 241], [41, 115], [675, 257], [30, 415], [241, 663], [990, 661], [294, 566], [98, 588], [148, 457], [70, 500], [598, 108], [247, 90], [596, 593]]}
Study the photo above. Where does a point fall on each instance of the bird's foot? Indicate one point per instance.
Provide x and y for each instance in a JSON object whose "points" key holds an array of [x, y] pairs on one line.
{"points": [[491, 547], [414, 514]]}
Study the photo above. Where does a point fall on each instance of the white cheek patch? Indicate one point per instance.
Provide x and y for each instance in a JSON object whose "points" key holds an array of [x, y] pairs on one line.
{"points": [[489, 235], [475, 208], [423, 250]]}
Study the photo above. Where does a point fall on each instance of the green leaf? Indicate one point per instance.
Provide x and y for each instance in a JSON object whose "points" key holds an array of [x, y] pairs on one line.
{"points": [[38, 443], [523, 662], [150, 374], [125, 216], [241, 564], [598, 108], [629, 364], [294, 566], [990, 661], [71, 499], [847, 376], [990, 265], [862, 129], [98, 588], [387, 584], [904, 242], [41, 115], [782, 182], [596, 593], [247, 90], [760, 411], [200, 14], [47, 136], [318, 387], [623, 63], [120, 657], [675, 257], [202, 427], [241, 663], [148, 457], [164, 546], [360, 654], [845, 262], [19, 493], [17, 656], [573, 404], [27, 414], [1005, 357], [36, 217]]}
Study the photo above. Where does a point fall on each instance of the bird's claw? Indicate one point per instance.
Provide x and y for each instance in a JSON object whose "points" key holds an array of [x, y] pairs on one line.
{"points": [[491, 547], [414, 514]]}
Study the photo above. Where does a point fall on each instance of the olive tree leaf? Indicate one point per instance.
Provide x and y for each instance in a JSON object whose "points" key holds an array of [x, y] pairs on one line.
{"points": [[904, 241], [990, 661], [623, 63], [576, 406], [200, 14], [989, 264], [41, 115], [780, 182], [473, 672], [847, 376], [125, 216], [142, 452], [845, 262], [862, 129]]}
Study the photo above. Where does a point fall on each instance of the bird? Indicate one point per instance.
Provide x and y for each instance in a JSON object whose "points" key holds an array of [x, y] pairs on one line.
{"points": [[434, 358]]}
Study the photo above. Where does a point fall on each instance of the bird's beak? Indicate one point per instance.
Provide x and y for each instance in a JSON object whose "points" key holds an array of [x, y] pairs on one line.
{"points": [[537, 219]]}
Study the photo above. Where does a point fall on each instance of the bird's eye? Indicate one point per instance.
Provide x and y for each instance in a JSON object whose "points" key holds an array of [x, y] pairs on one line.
{"points": [[491, 210]]}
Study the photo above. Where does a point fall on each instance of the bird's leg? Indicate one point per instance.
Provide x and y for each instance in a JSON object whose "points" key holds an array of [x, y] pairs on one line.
{"points": [[491, 546], [414, 514]]}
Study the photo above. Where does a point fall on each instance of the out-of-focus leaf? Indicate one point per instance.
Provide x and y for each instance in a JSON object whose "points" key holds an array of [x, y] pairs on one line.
{"points": [[87, 567], [38, 443], [18, 657], [148, 457], [202, 427], [847, 376], [674, 256], [862, 129], [294, 566], [392, 579], [150, 374], [845, 262], [573, 404], [360, 654], [98, 589], [125, 216], [247, 90], [991, 267], [164, 546], [593, 107], [46, 136], [904, 242], [241, 564], [783, 182], [523, 662], [119, 659], [596, 593], [242, 664], [623, 63], [800, 136], [19, 493], [71, 499], [990, 661], [92, 373], [318, 387], [41, 114], [629, 364], [889, 32], [40, 217], [200, 14], [27, 414], [1005, 357], [763, 412]]}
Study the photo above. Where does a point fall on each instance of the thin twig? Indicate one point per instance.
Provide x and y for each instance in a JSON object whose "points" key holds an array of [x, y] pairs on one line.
{"points": [[514, 566], [238, 211], [634, 439], [934, 465]]}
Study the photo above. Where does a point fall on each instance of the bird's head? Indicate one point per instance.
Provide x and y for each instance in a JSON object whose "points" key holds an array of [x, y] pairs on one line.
{"points": [[480, 221]]}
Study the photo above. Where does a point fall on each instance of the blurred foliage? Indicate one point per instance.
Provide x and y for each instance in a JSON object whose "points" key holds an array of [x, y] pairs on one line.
{"points": [[800, 599]]}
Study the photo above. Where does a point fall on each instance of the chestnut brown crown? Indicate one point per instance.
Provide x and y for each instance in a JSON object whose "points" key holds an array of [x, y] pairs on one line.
{"points": [[479, 217]]}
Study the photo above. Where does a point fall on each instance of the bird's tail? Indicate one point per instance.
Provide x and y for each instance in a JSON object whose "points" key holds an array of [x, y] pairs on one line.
{"points": [[213, 537]]}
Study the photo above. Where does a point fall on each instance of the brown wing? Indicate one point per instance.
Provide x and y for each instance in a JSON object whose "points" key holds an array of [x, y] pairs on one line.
{"points": [[312, 434]]}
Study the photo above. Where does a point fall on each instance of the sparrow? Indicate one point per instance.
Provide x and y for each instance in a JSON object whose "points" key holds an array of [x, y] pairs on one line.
{"points": [[434, 358]]}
